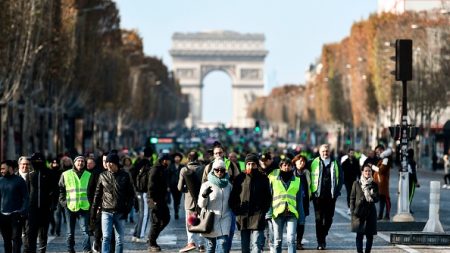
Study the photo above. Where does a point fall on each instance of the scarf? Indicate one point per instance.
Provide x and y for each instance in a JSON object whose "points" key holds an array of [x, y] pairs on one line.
{"points": [[286, 175], [365, 184], [220, 182]]}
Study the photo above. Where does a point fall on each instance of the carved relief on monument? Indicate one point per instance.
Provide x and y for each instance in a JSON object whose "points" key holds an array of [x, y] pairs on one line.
{"points": [[186, 73], [230, 69], [251, 74]]}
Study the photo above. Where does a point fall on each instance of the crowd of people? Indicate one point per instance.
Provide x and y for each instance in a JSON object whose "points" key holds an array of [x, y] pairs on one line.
{"points": [[263, 196]]}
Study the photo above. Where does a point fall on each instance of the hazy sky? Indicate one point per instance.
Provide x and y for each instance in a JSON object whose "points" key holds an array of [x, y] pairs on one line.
{"points": [[295, 31]]}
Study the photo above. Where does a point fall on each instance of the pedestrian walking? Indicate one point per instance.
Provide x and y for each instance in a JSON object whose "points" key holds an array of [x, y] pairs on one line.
{"points": [[13, 207], [214, 196], [232, 170], [267, 166], [55, 174], [381, 178], [140, 174], [287, 206], [189, 183], [351, 169], [76, 196], [115, 195], [42, 188], [363, 197], [173, 176], [446, 172], [127, 165], [326, 184], [251, 187], [157, 200], [301, 171], [412, 177]]}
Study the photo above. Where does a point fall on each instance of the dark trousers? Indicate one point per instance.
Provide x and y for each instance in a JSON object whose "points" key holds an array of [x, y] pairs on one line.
{"points": [[385, 201], [56, 217], [359, 243], [447, 178], [324, 212], [300, 232], [160, 219], [176, 196], [97, 231], [37, 225], [11, 229], [348, 188]]}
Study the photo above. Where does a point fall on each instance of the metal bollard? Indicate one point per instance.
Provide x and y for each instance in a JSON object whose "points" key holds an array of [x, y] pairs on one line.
{"points": [[433, 224]]}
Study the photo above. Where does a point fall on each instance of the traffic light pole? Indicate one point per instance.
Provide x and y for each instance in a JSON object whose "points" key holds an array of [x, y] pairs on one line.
{"points": [[403, 213]]}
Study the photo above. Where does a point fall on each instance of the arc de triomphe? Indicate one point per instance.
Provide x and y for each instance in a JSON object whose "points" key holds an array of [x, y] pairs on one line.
{"points": [[241, 56]]}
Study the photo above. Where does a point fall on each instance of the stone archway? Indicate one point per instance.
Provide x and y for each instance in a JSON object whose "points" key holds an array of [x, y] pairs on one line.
{"points": [[241, 56]]}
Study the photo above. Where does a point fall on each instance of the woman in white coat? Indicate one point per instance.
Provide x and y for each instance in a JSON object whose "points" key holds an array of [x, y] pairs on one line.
{"points": [[214, 195]]}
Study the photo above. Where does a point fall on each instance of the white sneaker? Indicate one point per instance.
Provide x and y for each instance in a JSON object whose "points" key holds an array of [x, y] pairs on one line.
{"points": [[444, 186], [143, 240], [349, 212], [134, 239]]}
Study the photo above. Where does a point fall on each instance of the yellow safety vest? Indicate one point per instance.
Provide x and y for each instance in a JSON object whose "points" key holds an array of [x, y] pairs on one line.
{"points": [[76, 190], [274, 175], [283, 197], [315, 173]]}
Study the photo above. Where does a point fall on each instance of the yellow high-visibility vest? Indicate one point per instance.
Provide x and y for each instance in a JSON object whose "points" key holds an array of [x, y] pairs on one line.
{"points": [[283, 197], [315, 173], [76, 190]]}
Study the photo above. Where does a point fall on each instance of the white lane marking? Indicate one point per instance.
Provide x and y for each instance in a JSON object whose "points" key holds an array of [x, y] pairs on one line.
{"points": [[169, 239], [50, 238], [383, 236]]}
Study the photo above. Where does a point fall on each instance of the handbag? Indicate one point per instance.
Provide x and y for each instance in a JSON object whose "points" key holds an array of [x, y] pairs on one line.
{"points": [[206, 223]]}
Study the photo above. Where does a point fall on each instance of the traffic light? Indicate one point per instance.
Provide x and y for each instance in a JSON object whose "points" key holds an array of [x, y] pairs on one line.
{"points": [[257, 127], [403, 60], [153, 140]]}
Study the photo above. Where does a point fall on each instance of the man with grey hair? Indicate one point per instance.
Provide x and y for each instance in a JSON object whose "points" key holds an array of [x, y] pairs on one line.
{"points": [[326, 184]]}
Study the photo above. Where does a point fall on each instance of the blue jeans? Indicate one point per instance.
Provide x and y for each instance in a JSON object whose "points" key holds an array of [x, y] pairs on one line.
{"points": [[232, 229], [268, 233], [83, 220], [143, 216], [291, 231], [217, 244], [108, 221], [192, 237], [252, 240]]}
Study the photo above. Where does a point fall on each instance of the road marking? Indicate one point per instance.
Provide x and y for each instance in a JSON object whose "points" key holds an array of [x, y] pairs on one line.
{"points": [[168, 239], [383, 236]]}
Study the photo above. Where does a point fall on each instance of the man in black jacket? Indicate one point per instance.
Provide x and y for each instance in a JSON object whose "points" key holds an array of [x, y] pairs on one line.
{"points": [[43, 189], [250, 200], [13, 207], [115, 194], [156, 196]]}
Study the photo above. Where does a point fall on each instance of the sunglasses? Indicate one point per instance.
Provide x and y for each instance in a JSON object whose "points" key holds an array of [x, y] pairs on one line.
{"points": [[219, 170]]}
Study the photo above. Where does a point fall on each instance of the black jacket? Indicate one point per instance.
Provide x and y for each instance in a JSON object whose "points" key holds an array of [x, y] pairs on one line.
{"points": [[157, 186], [114, 192], [13, 195], [42, 189], [367, 224], [250, 199]]}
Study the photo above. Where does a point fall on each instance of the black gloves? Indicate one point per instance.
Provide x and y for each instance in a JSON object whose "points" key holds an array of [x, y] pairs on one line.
{"points": [[206, 192]]}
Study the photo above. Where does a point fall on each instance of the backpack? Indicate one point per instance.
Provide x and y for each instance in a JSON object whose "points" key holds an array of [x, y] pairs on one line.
{"points": [[142, 179]]}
